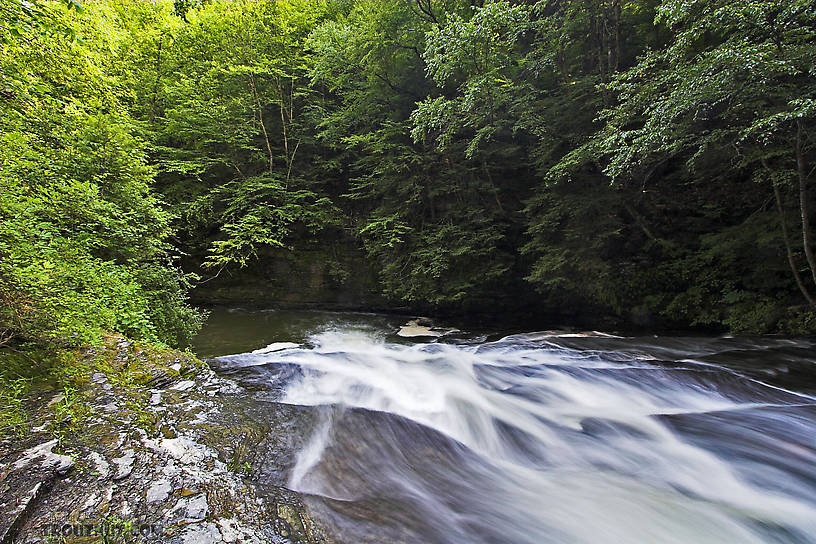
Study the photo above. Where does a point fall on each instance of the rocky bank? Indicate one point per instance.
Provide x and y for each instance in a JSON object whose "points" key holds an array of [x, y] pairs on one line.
{"points": [[163, 454]]}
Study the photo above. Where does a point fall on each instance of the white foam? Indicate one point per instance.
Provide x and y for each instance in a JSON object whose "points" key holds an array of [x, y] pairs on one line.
{"points": [[656, 486]]}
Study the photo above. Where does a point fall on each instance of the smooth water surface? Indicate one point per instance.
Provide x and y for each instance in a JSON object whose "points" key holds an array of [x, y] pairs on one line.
{"points": [[535, 437]]}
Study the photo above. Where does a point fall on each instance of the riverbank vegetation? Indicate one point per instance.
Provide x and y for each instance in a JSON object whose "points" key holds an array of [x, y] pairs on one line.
{"points": [[644, 160]]}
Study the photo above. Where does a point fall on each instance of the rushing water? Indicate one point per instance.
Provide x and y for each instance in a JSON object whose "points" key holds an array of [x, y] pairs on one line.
{"points": [[538, 437]]}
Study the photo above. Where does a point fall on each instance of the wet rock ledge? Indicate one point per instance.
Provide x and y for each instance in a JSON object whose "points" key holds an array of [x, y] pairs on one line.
{"points": [[143, 466]]}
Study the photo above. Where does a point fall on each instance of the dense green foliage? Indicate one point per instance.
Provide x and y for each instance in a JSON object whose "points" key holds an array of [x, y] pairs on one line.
{"points": [[82, 237], [649, 160]]}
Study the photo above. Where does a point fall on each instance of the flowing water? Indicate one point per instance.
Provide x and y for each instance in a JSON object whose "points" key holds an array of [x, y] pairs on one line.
{"points": [[534, 437]]}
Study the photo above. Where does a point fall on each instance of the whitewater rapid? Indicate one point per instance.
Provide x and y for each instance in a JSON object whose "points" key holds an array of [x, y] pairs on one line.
{"points": [[529, 440]]}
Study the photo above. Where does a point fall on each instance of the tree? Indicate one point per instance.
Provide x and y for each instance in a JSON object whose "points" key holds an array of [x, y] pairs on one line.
{"points": [[82, 236], [731, 92], [429, 218]]}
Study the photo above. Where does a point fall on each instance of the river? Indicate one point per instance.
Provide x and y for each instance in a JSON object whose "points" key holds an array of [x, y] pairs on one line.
{"points": [[529, 437]]}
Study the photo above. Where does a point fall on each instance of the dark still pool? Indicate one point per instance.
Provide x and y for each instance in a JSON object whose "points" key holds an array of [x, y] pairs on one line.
{"points": [[546, 437]]}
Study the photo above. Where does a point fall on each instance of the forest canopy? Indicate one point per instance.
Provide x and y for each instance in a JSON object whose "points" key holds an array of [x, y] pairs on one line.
{"points": [[644, 160]]}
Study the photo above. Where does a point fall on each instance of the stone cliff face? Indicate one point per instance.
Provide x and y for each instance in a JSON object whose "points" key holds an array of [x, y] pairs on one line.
{"points": [[333, 275], [338, 275]]}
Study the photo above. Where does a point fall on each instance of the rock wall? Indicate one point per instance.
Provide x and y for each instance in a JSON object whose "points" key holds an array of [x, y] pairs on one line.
{"points": [[329, 275]]}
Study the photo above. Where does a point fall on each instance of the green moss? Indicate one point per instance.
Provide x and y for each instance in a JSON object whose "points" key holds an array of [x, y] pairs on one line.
{"points": [[69, 413], [53, 386], [13, 416]]}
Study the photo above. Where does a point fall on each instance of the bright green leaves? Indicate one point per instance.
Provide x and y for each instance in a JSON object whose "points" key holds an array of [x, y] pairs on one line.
{"points": [[52, 285], [479, 58], [728, 97], [230, 125], [619, 155], [435, 116], [26, 20], [753, 73], [479, 46], [386, 232], [429, 218], [83, 246], [259, 213]]}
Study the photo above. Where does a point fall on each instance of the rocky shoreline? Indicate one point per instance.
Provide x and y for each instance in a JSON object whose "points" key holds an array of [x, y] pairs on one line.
{"points": [[153, 461]]}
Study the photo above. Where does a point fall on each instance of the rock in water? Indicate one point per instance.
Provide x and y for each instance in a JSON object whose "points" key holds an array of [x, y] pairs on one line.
{"points": [[276, 346], [423, 327]]}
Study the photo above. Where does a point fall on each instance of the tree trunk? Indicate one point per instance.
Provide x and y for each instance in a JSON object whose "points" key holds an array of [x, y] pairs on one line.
{"points": [[617, 4], [803, 199], [260, 119], [561, 59], [493, 186], [788, 248], [597, 36], [289, 163], [283, 126]]}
